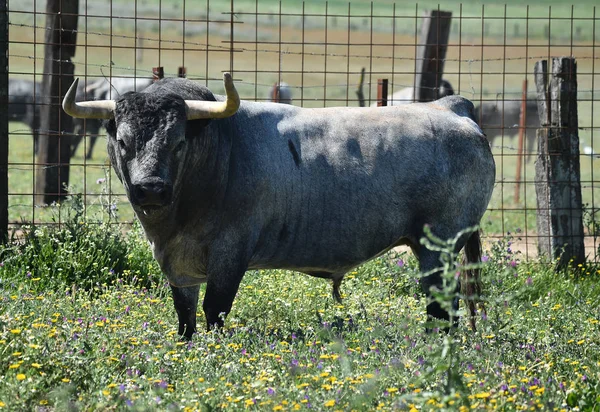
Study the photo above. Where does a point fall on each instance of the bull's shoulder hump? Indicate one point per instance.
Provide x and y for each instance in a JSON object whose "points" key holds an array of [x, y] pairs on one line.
{"points": [[457, 104]]}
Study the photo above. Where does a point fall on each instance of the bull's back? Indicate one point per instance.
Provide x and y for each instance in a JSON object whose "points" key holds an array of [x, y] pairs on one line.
{"points": [[347, 184]]}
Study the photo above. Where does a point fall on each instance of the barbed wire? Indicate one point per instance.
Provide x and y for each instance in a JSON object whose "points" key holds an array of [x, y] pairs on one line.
{"points": [[307, 43], [267, 85]]}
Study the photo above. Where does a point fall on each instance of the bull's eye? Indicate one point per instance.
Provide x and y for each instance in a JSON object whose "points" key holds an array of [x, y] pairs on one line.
{"points": [[121, 143]]}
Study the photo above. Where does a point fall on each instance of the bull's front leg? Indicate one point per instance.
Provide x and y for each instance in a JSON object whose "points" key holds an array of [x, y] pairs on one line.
{"points": [[186, 305], [224, 277]]}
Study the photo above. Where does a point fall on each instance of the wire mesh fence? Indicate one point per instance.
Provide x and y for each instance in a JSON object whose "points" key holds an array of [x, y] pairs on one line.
{"points": [[309, 54]]}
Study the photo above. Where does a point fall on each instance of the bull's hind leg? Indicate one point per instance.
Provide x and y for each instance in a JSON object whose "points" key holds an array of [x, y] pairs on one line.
{"points": [[430, 263], [186, 303]]}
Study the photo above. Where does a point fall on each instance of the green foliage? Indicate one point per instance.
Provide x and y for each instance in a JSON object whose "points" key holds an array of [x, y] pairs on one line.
{"points": [[79, 251], [287, 344]]}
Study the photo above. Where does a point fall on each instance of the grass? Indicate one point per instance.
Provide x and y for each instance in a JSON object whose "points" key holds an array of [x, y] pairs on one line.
{"points": [[87, 323], [111, 343]]}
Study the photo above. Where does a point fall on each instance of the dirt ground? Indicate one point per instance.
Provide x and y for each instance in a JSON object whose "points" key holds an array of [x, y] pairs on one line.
{"points": [[528, 247]]}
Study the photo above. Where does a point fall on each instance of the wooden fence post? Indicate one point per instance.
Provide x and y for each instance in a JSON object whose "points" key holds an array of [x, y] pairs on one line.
{"points": [[52, 172], [182, 72], [4, 121], [431, 55], [558, 187], [382, 92]]}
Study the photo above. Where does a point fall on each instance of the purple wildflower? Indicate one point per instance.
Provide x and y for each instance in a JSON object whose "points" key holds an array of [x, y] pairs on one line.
{"points": [[400, 263]]}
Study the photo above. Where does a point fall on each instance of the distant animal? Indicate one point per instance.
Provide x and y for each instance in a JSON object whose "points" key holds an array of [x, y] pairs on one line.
{"points": [[406, 95], [502, 117], [280, 93], [222, 186], [100, 89], [24, 105]]}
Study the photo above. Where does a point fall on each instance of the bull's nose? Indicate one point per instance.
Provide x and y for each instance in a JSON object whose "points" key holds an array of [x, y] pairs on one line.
{"points": [[156, 193]]}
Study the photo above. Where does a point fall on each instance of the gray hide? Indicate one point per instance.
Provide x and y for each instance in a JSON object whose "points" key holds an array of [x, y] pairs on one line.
{"points": [[24, 102], [502, 117], [317, 191]]}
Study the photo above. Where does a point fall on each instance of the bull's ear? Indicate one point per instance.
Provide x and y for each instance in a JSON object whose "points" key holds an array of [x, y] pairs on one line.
{"points": [[111, 127], [194, 128]]}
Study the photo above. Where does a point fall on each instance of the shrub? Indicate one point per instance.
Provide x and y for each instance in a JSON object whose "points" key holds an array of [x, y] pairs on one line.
{"points": [[79, 251]]}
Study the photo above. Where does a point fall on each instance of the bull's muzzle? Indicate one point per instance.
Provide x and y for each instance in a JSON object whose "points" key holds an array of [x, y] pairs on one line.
{"points": [[152, 194]]}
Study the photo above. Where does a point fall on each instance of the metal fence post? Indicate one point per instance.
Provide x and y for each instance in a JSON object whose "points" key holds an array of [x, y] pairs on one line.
{"points": [[558, 187], [521, 141], [4, 121], [158, 73], [382, 92]]}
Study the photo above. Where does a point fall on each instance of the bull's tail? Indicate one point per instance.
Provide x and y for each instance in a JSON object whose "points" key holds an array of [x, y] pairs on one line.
{"points": [[471, 280]]}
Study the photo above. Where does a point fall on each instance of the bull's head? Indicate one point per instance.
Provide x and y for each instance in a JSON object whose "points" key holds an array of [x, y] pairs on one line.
{"points": [[147, 137]]}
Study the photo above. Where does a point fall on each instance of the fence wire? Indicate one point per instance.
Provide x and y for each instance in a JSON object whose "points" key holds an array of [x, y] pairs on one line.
{"points": [[316, 52]]}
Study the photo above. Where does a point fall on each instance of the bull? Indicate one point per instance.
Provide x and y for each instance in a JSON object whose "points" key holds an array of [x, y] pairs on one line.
{"points": [[280, 93], [24, 100], [502, 118], [222, 186]]}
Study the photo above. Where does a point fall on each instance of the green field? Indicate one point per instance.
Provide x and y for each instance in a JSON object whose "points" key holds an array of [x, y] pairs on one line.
{"points": [[87, 320], [77, 335]]}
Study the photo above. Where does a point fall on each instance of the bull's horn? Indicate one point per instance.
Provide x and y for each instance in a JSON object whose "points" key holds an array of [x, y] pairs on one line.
{"points": [[94, 109], [200, 109]]}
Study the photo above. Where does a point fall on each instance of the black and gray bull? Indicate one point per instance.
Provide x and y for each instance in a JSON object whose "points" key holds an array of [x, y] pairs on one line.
{"points": [[222, 186], [280, 93], [24, 104], [502, 117]]}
